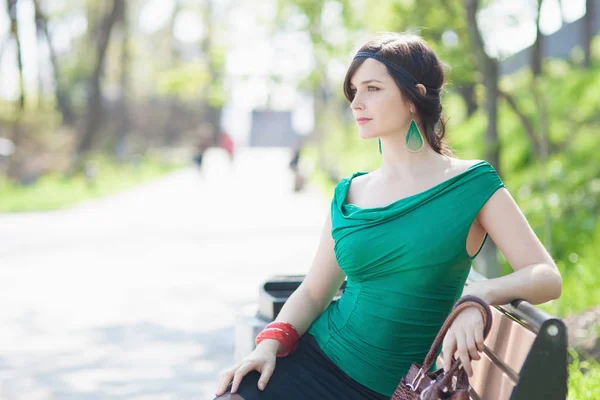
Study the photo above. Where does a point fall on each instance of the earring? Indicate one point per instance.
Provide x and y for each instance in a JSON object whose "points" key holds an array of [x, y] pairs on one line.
{"points": [[379, 145], [414, 140]]}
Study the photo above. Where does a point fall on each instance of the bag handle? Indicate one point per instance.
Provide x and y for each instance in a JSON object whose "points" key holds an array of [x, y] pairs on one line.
{"points": [[462, 304]]}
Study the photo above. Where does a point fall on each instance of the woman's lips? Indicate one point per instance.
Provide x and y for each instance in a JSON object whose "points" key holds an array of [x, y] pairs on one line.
{"points": [[362, 121]]}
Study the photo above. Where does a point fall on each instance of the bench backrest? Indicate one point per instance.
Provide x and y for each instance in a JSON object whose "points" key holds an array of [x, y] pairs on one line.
{"points": [[525, 355]]}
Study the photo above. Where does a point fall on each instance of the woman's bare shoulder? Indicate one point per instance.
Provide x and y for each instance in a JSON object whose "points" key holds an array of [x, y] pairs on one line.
{"points": [[457, 165], [360, 184]]}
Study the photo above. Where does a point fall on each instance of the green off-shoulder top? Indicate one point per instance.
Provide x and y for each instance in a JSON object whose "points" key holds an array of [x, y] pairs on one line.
{"points": [[406, 265]]}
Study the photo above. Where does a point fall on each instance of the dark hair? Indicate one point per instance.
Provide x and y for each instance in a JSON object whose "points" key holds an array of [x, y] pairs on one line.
{"points": [[414, 55]]}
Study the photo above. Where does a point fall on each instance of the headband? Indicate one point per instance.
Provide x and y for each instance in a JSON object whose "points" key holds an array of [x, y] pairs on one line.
{"points": [[401, 73], [404, 73]]}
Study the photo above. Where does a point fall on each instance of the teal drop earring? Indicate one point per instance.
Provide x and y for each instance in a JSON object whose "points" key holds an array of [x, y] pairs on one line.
{"points": [[379, 145], [414, 140]]}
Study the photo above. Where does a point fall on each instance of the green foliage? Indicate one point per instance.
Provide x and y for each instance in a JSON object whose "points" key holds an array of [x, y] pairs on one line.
{"points": [[41, 120], [584, 378], [216, 93], [462, 133], [444, 26], [568, 185], [580, 276], [186, 81]]}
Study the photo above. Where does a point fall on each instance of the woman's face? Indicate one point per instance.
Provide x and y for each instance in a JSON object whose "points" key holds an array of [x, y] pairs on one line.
{"points": [[378, 106]]}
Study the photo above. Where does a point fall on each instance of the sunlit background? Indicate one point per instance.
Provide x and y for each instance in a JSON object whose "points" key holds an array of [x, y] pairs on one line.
{"points": [[266, 58], [159, 159]]}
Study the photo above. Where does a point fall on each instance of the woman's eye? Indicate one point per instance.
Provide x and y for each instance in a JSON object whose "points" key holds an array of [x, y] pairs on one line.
{"points": [[369, 89]]}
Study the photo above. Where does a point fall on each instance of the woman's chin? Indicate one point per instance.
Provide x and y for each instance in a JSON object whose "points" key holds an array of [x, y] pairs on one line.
{"points": [[367, 135]]}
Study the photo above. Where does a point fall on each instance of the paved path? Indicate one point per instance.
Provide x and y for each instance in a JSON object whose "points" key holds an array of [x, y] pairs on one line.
{"points": [[134, 296]]}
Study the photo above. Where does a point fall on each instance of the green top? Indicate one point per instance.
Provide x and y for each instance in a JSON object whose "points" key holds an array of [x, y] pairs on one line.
{"points": [[406, 264]]}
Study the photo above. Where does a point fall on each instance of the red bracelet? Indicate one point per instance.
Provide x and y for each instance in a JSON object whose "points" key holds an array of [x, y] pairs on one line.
{"points": [[284, 333], [279, 335], [287, 327]]}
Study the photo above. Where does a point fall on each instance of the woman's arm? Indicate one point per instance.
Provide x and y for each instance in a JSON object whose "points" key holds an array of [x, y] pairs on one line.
{"points": [[316, 291], [536, 278], [301, 309]]}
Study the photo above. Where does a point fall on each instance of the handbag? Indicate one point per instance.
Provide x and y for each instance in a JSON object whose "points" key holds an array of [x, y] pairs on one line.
{"points": [[420, 384]]}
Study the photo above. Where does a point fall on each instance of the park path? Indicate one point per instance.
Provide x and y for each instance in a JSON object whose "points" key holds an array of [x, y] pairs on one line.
{"points": [[134, 296]]}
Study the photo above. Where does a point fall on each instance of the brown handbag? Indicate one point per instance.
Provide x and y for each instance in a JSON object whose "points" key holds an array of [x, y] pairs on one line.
{"points": [[420, 384]]}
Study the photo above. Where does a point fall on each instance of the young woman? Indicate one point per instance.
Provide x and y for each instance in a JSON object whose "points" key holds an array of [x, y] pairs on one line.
{"points": [[404, 236]]}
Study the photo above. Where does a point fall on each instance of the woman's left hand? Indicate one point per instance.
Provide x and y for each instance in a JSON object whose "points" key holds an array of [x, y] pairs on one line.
{"points": [[465, 338]]}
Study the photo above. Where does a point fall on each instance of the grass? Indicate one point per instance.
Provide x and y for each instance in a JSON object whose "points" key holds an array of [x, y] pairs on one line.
{"points": [[584, 378], [54, 191]]}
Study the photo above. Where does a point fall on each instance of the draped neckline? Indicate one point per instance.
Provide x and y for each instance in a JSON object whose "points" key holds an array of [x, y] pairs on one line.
{"points": [[409, 201]]}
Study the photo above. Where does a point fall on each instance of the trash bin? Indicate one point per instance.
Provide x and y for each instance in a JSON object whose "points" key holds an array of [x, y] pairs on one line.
{"points": [[252, 319], [274, 293]]}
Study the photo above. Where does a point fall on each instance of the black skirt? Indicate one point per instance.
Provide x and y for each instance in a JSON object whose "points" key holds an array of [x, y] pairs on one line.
{"points": [[306, 374]]}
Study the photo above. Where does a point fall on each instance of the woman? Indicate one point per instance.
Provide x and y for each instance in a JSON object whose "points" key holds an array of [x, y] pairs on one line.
{"points": [[404, 236]]}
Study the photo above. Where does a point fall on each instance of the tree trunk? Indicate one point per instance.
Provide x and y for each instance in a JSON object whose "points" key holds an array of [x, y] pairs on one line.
{"points": [[124, 124], [542, 111], [94, 112], [588, 30], [14, 32], [487, 262], [467, 92], [491, 107], [170, 128], [13, 161], [538, 46], [62, 98], [527, 124], [543, 158], [488, 257], [213, 112]]}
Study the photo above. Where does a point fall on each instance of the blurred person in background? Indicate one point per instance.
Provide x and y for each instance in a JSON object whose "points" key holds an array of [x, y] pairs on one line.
{"points": [[203, 142], [226, 143], [294, 165]]}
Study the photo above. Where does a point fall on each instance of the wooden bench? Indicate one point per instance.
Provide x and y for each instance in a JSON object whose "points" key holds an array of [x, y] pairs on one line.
{"points": [[525, 355]]}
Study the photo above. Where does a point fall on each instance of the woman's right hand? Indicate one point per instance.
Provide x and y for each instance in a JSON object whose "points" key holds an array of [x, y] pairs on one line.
{"points": [[262, 359]]}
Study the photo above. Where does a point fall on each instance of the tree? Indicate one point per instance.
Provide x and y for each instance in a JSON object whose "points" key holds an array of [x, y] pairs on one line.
{"points": [[537, 52], [14, 33], [123, 120], [445, 27], [588, 30], [170, 128], [215, 63], [16, 128], [489, 67], [94, 110], [62, 98]]}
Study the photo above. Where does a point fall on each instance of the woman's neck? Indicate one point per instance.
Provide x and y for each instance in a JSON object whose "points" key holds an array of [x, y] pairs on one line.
{"points": [[400, 163]]}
